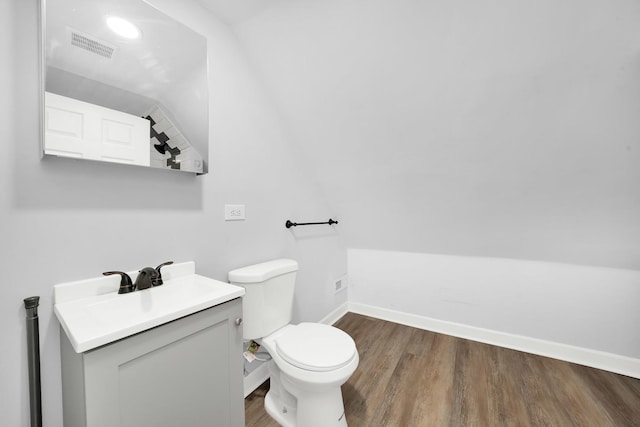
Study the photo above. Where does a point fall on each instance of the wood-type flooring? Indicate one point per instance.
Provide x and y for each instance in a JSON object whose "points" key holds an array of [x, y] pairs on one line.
{"points": [[411, 377]]}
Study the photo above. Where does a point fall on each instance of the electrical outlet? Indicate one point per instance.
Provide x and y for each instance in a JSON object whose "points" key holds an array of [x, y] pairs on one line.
{"points": [[341, 284], [234, 212]]}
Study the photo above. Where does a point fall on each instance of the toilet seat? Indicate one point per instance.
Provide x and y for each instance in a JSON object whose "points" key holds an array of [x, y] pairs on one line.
{"points": [[316, 347]]}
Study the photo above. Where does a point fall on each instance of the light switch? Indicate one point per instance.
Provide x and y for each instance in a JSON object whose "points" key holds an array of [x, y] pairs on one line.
{"points": [[234, 212]]}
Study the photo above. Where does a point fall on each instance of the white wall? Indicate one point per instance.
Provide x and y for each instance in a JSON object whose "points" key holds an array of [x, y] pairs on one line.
{"points": [[64, 220], [496, 129], [592, 308], [496, 132], [468, 128]]}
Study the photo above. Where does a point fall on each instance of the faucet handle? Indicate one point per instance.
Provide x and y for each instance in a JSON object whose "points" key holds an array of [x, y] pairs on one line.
{"points": [[126, 285], [159, 281]]}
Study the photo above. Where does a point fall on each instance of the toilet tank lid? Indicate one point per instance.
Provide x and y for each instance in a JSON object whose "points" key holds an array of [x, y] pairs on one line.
{"points": [[263, 271]]}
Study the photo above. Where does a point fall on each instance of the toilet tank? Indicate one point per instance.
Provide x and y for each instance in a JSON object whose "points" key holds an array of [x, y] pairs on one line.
{"points": [[268, 298]]}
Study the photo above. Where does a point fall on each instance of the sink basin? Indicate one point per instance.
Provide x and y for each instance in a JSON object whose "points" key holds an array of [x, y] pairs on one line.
{"points": [[91, 316]]}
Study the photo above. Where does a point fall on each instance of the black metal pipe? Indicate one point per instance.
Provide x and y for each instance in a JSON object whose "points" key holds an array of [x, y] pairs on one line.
{"points": [[290, 224], [33, 355]]}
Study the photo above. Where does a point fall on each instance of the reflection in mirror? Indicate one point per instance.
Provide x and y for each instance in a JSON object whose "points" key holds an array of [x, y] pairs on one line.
{"points": [[139, 97]]}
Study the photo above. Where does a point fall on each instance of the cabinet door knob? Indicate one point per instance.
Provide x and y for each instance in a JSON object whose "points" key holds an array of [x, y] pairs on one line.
{"points": [[238, 321]]}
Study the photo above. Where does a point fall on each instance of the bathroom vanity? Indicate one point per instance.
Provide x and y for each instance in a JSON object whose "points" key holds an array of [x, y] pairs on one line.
{"points": [[164, 356]]}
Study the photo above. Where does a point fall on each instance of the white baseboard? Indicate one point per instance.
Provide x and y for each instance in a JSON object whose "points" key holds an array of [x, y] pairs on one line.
{"points": [[335, 315], [583, 356]]}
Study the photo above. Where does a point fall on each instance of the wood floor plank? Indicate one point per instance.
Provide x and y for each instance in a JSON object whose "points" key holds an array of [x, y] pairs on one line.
{"points": [[582, 406], [433, 378], [527, 373], [471, 383], [616, 395], [503, 405], [375, 370], [408, 377], [438, 382], [254, 412]]}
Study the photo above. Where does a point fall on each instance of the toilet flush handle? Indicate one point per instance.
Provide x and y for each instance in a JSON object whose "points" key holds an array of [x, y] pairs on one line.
{"points": [[238, 321]]}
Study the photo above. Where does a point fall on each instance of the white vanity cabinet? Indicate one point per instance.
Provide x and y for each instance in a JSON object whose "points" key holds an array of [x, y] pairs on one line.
{"points": [[184, 373]]}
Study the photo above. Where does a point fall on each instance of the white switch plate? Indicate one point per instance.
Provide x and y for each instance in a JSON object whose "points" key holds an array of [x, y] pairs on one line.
{"points": [[234, 212]]}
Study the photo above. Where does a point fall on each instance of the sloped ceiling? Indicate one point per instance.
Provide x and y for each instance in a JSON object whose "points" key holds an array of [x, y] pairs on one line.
{"points": [[236, 12], [506, 129]]}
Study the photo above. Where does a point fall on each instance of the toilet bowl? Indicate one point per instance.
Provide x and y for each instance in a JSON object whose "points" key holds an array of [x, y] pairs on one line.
{"points": [[310, 361]]}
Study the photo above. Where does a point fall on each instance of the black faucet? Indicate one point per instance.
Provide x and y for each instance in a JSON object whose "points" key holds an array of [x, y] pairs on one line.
{"points": [[147, 277]]}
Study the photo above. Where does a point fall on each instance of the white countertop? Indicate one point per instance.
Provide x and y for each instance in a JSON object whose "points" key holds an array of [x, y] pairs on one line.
{"points": [[92, 313]]}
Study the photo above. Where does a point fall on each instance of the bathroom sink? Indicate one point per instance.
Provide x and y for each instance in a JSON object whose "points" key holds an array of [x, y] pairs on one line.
{"points": [[93, 314]]}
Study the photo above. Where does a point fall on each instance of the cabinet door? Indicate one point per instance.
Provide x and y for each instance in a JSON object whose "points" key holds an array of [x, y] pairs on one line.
{"points": [[185, 373]]}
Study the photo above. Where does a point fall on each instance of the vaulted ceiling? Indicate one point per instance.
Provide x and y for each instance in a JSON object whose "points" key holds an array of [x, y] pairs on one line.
{"points": [[506, 129]]}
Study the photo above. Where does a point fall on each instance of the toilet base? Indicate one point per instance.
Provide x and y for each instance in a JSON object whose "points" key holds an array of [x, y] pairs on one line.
{"points": [[301, 398], [314, 410], [284, 417]]}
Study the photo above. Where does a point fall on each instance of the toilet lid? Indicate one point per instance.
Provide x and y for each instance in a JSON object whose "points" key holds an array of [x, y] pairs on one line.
{"points": [[316, 347]]}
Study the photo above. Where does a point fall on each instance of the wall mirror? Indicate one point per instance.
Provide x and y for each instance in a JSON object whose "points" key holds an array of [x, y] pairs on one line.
{"points": [[124, 83]]}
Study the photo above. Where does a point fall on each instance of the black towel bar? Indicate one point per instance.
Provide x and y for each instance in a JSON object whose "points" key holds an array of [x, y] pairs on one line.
{"points": [[290, 224]]}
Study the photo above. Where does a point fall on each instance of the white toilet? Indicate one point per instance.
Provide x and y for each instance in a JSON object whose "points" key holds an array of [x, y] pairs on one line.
{"points": [[310, 361]]}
